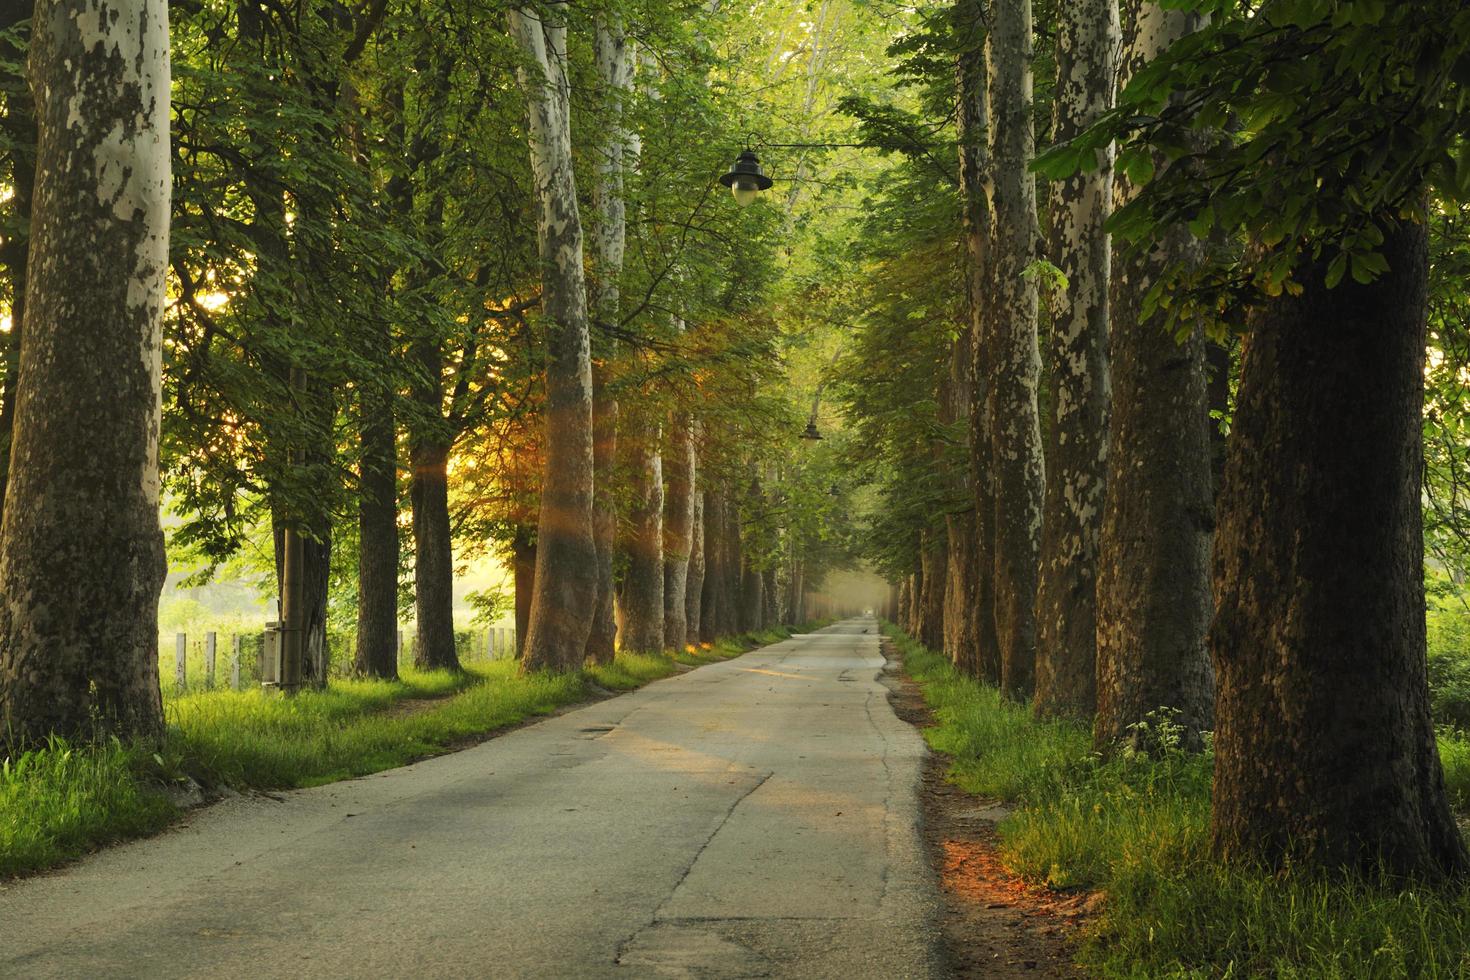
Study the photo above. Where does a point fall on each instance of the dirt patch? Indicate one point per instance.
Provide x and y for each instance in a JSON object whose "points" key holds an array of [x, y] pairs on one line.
{"points": [[995, 925]]}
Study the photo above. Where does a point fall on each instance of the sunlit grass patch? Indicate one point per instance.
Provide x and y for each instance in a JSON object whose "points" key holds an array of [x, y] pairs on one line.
{"points": [[1136, 828], [58, 801]]}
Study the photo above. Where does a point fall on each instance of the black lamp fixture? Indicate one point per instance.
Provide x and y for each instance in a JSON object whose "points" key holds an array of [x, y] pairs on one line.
{"points": [[746, 179], [811, 430]]}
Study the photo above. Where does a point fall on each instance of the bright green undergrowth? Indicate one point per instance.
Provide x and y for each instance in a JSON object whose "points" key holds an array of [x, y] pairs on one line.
{"points": [[1137, 829], [59, 801]]}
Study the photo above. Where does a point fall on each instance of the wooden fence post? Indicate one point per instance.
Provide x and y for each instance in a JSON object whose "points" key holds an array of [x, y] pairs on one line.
{"points": [[210, 639], [181, 656], [235, 662]]}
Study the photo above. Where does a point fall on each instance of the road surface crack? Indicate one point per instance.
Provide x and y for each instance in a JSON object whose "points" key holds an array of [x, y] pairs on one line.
{"points": [[699, 851]]}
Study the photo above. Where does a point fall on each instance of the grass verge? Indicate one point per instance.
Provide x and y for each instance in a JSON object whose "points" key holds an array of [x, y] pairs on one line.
{"points": [[1137, 829], [60, 801]]}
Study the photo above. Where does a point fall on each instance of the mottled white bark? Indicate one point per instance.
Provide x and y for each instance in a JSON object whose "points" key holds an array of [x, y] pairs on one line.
{"points": [[641, 598], [1010, 354], [565, 587], [1076, 447], [694, 582], [81, 552], [608, 232], [1153, 589]]}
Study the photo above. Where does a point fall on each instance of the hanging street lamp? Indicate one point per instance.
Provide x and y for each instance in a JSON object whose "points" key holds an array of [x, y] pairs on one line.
{"points": [[811, 431], [746, 179]]}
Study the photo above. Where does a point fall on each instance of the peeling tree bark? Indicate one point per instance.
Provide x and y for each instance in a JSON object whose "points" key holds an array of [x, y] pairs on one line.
{"points": [[81, 551], [614, 59], [1153, 590], [19, 128], [694, 584], [1077, 438], [641, 599], [1011, 354], [679, 499], [565, 589], [1324, 749]]}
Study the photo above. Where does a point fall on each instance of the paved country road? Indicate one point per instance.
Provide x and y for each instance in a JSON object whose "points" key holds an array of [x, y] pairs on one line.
{"points": [[756, 817]]}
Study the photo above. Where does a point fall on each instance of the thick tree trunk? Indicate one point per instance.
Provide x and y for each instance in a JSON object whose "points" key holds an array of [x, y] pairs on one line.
{"points": [[770, 597], [679, 473], [1153, 590], [19, 128], [752, 598], [936, 577], [566, 551], [603, 634], [81, 551], [316, 592], [1077, 438], [961, 585], [605, 260], [1324, 749], [377, 525], [905, 603], [916, 597], [733, 553], [694, 584], [973, 124], [721, 581], [433, 566], [1011, 354], [641, 600], [523, 570]]}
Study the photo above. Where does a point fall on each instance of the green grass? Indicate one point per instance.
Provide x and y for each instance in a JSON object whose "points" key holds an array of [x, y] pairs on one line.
{"points": [[1137, 829], [60, 801]]}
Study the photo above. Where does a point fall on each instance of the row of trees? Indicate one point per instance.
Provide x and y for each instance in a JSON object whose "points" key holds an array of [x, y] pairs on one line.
{"points": [[1206, 495], [365, 290]]}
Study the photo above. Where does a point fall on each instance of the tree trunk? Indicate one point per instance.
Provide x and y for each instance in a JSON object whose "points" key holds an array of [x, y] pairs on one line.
{"points": [[566, 552], [1153, 590], [81, 552], [752, 598], [377, 523], [433, 565], [605, 261], [1011, 354], [961, 585], [973, 125], [642, 598], [771, 598], [936, 578], [19, 129], [1324, 750], [523, 569], [694, 585], [1077, 438], [716, 605], [678, 530]]}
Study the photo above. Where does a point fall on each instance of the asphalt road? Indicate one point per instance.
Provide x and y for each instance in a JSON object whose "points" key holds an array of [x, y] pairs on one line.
{"points": [[752, 818]]}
